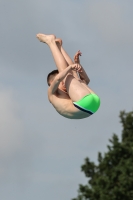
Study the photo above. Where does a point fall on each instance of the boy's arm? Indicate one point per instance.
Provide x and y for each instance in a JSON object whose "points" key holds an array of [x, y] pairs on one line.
{"points": [[83, 76], [59, 77], [54, 85]]}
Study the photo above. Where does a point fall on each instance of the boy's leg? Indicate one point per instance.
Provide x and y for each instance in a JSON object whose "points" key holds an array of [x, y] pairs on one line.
{"points": [[70, 62], [66, 56], [64, 53], [75, 89], [57, 55]]}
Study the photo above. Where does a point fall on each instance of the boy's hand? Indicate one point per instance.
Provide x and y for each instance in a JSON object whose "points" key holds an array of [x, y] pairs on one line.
{"points": [[76, 67], [76, 57]]}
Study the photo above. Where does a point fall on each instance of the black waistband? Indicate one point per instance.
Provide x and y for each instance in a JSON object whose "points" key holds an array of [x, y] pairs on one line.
{"points": [[87, 111]]}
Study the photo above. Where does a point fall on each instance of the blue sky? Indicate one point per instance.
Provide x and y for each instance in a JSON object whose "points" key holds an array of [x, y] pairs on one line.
{"points": [[40, 151]]}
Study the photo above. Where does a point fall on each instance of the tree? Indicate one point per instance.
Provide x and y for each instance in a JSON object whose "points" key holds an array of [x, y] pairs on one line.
{"points": [[112, 177]]}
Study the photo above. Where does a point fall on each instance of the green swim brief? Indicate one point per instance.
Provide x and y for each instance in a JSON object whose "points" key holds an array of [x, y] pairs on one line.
{"points": [[89, 103]]}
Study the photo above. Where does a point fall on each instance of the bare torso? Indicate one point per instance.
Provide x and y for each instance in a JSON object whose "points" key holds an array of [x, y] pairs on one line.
{"points": [[64, 106]]}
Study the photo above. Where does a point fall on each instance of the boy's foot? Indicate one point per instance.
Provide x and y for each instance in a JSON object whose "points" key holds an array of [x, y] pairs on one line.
{"points": [[58, 41], [45, 38]]}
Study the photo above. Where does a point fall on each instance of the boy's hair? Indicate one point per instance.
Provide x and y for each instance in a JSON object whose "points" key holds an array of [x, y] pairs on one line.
{"points": [[51, 76]]}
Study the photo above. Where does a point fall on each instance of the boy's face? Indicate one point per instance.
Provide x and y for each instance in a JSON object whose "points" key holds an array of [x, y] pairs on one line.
{"points": [[51, 80]]}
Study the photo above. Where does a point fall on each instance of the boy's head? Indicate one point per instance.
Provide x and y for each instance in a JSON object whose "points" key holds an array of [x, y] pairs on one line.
{"points": [[51, 76]]}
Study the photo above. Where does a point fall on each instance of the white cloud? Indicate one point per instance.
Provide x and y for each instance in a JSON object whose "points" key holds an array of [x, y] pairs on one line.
{"points": [[10, 124]]}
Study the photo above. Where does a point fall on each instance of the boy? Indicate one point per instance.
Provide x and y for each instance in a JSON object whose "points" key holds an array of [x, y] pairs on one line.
{"points": [[69, 94]]}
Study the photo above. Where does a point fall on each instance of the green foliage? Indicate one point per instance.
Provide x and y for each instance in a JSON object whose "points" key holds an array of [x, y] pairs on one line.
{"points": [[112, 178]]}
